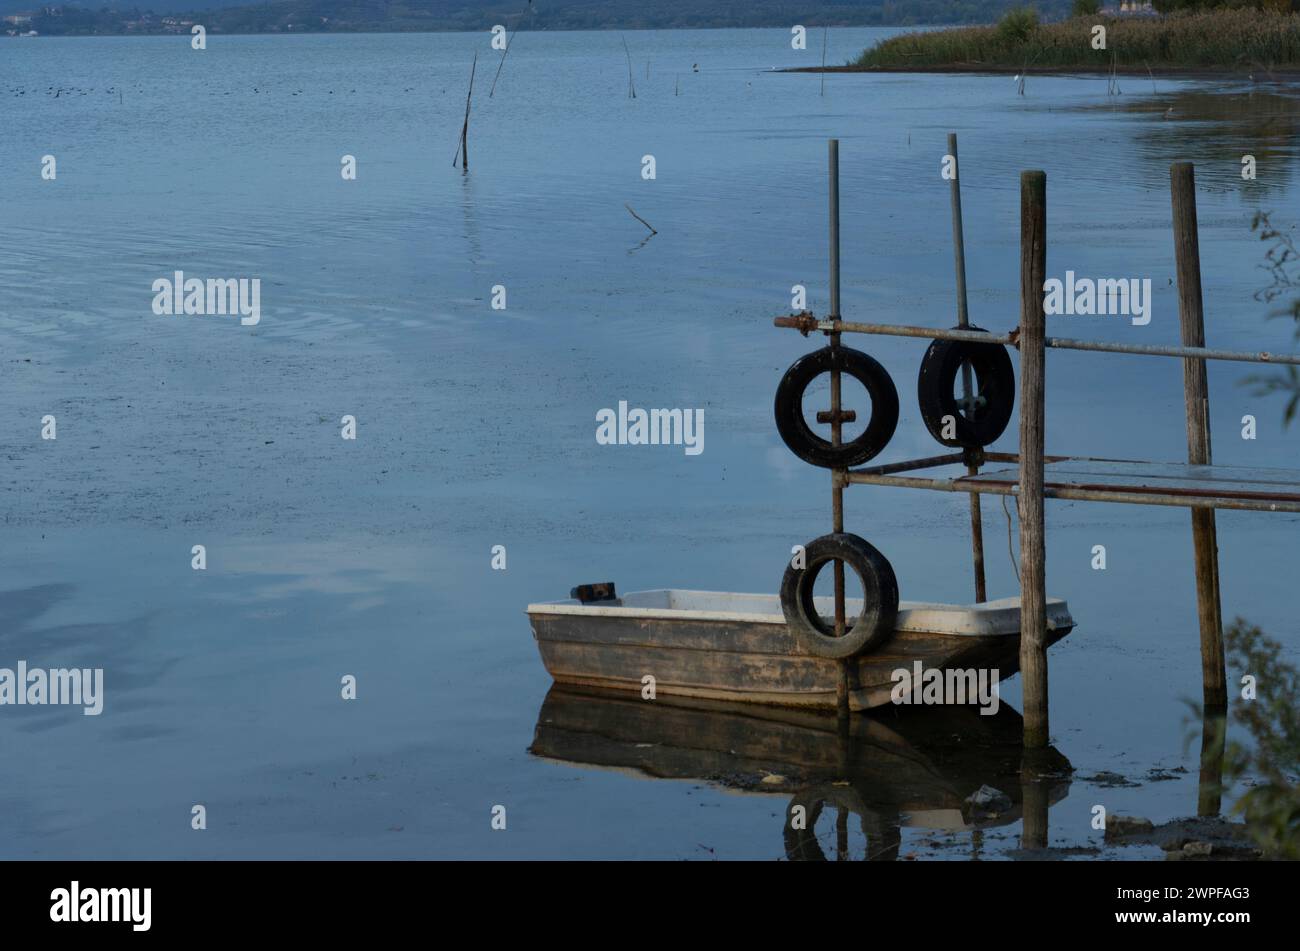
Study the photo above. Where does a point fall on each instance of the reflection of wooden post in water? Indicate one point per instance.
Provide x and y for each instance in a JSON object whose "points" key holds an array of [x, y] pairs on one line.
{"points": [[1034, 798], [841, 835], [1196, 393], [1033, 552], [1214, 735]]}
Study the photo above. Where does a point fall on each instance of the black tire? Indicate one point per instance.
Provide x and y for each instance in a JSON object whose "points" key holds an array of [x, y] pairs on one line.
{"points": [[794, 429], [873, 626], [995, 380]]}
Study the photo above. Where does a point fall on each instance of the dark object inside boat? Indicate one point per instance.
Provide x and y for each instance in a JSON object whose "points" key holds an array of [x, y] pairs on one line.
{"points": [[594, 593]]}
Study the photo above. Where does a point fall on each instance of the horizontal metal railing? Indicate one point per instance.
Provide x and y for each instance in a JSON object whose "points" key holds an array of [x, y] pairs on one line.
{"points": [[807, 323]]}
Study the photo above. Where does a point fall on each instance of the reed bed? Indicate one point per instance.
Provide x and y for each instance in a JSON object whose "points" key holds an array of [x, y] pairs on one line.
{"points": [[1223, 39]]}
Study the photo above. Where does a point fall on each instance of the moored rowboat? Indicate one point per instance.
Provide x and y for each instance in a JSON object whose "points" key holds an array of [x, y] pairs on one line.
{"points": [[739, 647]]}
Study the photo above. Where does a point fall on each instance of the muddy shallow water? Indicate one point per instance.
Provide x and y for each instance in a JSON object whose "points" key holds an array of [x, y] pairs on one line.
{"points": [[372, 557]]}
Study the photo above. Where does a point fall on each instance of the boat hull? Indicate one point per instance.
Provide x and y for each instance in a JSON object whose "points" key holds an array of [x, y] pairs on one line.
{"points": [[755, 658]]}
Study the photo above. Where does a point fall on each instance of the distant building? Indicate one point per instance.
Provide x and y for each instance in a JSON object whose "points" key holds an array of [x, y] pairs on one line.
{"points": [[18, 19]]}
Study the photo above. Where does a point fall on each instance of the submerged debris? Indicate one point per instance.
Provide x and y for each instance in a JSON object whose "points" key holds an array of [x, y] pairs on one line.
{"points": [[1206, 838], [1118, 827], [1109, 780], [987, 801]]}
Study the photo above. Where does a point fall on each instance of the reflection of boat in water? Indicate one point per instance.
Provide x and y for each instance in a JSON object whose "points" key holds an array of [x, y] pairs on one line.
{"points": [[739, 647], [926, 767]]}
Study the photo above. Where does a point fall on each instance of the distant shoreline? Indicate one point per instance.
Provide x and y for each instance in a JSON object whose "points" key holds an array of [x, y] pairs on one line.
{"points": [[362, 31], [997, 69]]}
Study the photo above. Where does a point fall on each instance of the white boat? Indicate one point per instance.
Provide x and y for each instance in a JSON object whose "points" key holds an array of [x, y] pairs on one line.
{"points": [[726, 646]]}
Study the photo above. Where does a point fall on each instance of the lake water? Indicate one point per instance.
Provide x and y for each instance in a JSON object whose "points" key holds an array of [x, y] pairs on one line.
{"points": [[476, 426]]}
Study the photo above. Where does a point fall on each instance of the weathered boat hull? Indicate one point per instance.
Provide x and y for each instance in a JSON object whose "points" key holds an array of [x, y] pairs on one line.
{"points": [[735, 647]]}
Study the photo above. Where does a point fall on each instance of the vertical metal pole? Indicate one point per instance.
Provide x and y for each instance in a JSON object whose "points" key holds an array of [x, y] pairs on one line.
{"points": [[1033, 552], [837, 480], [1191, 317], [834, 157], [959, 247], [967, 389]]}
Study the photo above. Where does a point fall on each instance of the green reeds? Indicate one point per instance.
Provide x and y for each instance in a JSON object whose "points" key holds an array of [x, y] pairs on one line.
{"points": [[1222, 39]]}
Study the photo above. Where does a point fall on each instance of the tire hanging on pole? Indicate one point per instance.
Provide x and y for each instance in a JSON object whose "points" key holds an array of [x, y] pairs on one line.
{"points": [[874, 624], [994, 397], [794, 428]]}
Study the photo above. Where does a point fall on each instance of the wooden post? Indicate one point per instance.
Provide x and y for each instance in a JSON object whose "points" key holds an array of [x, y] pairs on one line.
{"points": [[963, 320], [1033, 553], [1191, 317], [837, 483]]}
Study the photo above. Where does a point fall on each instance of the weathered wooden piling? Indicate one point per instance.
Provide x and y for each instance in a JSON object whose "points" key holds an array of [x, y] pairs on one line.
{"points": [[963, 321], [1191, 317], [1033, 587]]}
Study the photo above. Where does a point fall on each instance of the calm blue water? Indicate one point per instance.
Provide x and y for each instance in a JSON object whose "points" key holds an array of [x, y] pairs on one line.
{"points": [[475, 426]]}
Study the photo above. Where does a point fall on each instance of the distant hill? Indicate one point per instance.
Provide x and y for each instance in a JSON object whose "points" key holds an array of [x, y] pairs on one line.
{"points": [[164, 7], [219, 16]]}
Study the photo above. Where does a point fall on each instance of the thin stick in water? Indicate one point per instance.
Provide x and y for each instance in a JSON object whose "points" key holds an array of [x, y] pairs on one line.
{"points": [[506, 52], [640, 219], [1010, 549], [825, 31], [631, 86], [462, 151]]}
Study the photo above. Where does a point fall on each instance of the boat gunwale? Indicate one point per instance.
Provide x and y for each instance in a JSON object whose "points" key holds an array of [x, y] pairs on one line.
{"points": [[987, 611]]}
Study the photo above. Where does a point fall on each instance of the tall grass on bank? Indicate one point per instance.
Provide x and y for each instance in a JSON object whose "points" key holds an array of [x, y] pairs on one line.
{"points": [[1223, 39]]}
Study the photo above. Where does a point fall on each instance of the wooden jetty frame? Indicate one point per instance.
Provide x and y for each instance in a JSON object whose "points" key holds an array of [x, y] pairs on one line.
{"points": [[1197, 485]]}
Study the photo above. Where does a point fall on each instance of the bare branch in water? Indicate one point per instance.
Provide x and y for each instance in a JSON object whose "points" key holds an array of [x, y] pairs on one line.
{"points": [[640, 219], [462, 151], [825, 34], [506, 52]]}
